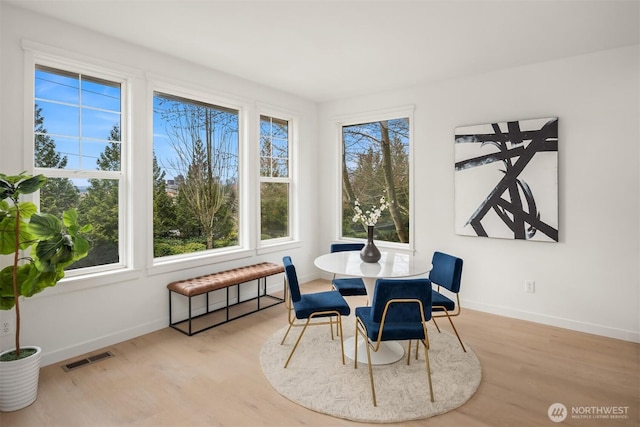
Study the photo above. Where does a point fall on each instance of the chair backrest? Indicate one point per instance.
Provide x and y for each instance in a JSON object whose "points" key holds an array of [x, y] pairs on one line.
{"points": [[446, 271], [341, 247], [388, 289], [292, 278]]}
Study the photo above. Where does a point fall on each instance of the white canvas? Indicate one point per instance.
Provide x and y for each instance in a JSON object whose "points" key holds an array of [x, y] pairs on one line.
{"points": [[506, 180]]}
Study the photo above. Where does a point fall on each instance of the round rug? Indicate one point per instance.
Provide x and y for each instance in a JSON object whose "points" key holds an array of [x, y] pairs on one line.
{"points": [[317, 379]]}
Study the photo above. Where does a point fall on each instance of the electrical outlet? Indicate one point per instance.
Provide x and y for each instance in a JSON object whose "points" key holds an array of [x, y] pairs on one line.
{"points": [[6, 327], [530, 286]]}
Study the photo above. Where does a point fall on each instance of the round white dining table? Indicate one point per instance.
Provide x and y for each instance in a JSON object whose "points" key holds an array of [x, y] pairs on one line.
{"points": [[392, 264]]}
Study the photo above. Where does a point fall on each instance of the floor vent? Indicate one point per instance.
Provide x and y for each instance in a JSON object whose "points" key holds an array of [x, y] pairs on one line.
{"points": [[84, 362]]}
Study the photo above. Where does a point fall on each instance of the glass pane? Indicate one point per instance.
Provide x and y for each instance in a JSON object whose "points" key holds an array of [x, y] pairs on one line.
{"points": [[195, 176], [57, 153], [371, 152], [280, 130], [96, 201], [280, 148], [60, 136], [280, 168], [56, 85], [274, 147], [101, 94], [99, 124], [265, 125], [100, 156], [59, 119], [274, 210]]}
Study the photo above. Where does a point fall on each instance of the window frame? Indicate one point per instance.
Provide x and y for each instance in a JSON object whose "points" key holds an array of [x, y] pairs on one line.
{"points": [[290, 180], [35, 56], [204, 95], [369, 117]]}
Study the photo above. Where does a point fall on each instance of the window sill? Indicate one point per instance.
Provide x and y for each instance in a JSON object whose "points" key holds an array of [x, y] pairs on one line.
{"points": [[89, 281]]}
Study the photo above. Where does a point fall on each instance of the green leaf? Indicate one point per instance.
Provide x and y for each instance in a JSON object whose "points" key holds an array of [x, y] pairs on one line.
{"points": [[6, 282], [14, 179], [27, 275], [27, 209], [45, 226], [6, 189], [81, 246], [52, 252], [39, 282], [31, 184], [28, 279], [8, 235], [70, 218]]}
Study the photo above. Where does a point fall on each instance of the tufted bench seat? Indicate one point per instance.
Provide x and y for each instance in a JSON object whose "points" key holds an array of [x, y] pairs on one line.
{"points": [[223, 280]]}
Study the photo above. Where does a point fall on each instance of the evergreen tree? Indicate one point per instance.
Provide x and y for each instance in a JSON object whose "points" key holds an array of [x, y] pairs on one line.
{"points": [[164, 209], [58, 194], [99, 207]]}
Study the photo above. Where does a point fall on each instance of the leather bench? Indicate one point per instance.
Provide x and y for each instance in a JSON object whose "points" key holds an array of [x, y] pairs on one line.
{"points": [[223, 280]]}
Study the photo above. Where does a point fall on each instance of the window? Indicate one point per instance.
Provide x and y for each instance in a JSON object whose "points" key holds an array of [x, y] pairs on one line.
{"points": [[375, 164], [275, 178], [195, 176], [78, 146]]}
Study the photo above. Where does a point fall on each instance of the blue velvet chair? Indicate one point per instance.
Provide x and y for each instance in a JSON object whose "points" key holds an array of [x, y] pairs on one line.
{"points": [[310, 307], [348, 286], [445, 277], [400, 310]]}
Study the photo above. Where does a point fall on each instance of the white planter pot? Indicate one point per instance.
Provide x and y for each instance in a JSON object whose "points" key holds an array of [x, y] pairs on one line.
{"points": [[19, 381]]}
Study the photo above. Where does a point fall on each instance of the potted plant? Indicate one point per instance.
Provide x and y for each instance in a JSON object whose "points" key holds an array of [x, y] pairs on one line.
{"points": [[40, 247]]}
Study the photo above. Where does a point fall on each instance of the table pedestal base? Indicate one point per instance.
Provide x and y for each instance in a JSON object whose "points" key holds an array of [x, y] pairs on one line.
{"points": [[389, 351]]}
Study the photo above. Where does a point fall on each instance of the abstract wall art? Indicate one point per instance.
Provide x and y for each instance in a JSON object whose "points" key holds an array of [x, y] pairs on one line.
{"points": [[506, 180]]}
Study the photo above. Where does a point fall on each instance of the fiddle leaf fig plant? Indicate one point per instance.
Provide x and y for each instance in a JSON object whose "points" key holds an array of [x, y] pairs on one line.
{"points": [[40, 245]]}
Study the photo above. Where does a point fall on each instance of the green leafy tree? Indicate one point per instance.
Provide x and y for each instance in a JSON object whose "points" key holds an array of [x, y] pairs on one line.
{"points": [[274, 210], [164, 209], [57, 194], [375, 163], [99, 206], [204, 144]]}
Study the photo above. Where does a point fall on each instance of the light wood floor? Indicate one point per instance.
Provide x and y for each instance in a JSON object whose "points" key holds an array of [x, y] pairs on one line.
{"points": [[214, 379]]}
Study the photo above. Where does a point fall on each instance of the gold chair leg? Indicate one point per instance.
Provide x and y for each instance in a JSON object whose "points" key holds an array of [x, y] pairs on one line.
{"points": [[435, 323], [426, 357], [452, 326], [285, 334], [456, 331], [331, 326], [304, 328], [355, 357], [373, 388], [339, 324]]}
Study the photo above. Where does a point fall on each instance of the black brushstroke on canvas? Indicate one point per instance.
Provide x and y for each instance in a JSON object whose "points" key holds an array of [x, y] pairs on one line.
{"points": [[523, 223]]}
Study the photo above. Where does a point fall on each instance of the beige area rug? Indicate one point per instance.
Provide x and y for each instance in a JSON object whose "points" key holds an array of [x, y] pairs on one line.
{"points": [[317, 379]]}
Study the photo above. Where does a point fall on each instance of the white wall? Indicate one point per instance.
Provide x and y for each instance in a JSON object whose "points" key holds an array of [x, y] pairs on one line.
{"points": [[590, 280], [79, 316]]}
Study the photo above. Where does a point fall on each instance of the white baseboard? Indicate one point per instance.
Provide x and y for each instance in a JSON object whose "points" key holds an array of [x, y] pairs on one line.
{"points": [[101, 342], [574, 325]]}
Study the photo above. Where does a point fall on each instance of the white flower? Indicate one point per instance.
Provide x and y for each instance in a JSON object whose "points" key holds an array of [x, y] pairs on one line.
{"points": [[369, 217]]}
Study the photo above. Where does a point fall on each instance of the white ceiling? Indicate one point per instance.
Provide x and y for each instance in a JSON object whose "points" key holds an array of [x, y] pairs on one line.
{"points": [[326, 50]]}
